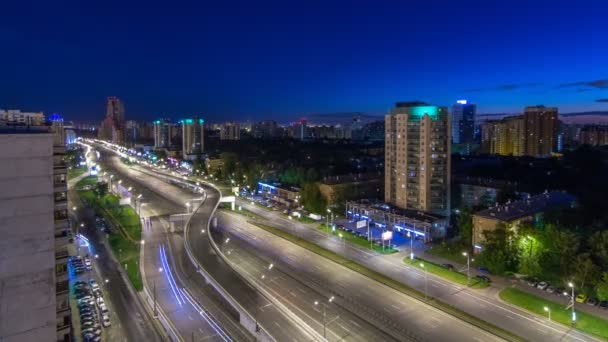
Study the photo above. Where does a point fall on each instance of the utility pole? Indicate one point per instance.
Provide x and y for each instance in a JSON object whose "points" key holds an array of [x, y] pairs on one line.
{"points": [[154, 293]]}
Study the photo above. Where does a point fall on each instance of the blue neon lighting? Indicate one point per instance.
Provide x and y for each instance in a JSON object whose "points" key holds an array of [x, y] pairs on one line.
{"points": [[399, 228], [267, 185]]}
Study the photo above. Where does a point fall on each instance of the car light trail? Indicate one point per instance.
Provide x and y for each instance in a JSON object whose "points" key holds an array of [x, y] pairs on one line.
{"points": [[206, 316], [169, 275]]}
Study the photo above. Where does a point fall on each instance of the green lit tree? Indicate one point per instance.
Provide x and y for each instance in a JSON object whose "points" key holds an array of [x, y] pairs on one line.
{"points": [[602, 287]]}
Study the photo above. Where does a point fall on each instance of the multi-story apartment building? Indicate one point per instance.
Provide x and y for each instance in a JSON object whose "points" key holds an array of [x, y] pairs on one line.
{"points": [[193, 135], [162, 134], [505, 137], [113, 127], [417, 157], [36, 235], [541, 126], [594, 135], [17, 117], [230, 131]]}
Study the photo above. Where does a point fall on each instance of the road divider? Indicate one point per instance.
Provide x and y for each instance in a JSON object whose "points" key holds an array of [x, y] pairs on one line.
{"points": [[381, 278]]}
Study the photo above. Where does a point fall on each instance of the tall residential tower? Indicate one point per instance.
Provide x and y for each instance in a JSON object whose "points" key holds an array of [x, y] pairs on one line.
{"points": [[193, 135], [417, 157]]}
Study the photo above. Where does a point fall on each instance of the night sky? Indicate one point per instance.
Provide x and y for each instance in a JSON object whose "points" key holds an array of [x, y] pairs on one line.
{"points": [[284, 59]]}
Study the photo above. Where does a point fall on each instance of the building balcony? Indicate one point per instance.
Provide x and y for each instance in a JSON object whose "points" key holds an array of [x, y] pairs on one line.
{"points": [[58, 149], [62, 256], [60, 169]]}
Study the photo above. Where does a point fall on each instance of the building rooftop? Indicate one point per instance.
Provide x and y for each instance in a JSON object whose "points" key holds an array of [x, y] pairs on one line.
{"points": [[352, 178], [24, 129], [532, 205]]}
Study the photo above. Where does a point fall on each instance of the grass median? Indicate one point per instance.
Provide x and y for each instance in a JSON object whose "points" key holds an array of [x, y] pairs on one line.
{"points": [[76, 171], [445, 273], [125, 240], [585, 322], [381, 278], [87, 181], [359, 241]]}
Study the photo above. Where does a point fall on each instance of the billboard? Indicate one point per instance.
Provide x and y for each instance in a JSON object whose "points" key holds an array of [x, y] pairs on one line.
{"points": [[361, 224], [387, 235]]}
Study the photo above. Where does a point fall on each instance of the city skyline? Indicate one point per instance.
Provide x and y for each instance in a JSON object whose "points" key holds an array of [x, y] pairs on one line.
{"points": [[257, 62]]}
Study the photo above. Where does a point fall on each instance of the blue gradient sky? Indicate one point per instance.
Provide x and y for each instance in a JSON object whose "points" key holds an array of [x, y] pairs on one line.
{"points": [[283, 59]]}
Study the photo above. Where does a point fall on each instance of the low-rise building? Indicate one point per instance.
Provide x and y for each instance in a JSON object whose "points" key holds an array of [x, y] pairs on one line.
{"points": [[513, 214], [289, 196], [421, 225], [351, 187], [475, 191]]}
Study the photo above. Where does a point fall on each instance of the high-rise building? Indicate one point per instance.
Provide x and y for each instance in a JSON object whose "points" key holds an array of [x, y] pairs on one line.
{"points": [[265, 129], [463, 122], [162, 134], [299, 130], [17, 117], [417, 157], [113, 127], [230, 131], [193, 134], [36, 234], [594, 135], [504, 137], [541, 126]]}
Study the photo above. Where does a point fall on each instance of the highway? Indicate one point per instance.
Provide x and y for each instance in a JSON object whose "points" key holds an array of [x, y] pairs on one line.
{"points": [[480, 303], [417, 316], [280, 327]]}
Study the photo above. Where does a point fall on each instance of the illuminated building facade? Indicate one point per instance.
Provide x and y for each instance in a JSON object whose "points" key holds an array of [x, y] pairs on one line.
{"points": [[417, 157]]}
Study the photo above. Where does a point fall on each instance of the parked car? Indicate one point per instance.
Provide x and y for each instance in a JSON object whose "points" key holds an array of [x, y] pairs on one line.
{"points": [[550, 289], [532, 282], [581, 298], [604, 304], [448, 266], [105, 321], [592, 301], [484, 278], [483, 270], [542, 285]]}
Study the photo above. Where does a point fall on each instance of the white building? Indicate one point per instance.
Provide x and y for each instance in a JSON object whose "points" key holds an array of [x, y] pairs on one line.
{"points": [[16, 116]]}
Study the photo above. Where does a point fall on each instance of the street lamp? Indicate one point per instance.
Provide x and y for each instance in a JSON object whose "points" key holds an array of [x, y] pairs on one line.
{"points": [[571, 285], [330, 300], [547, 310], [411, 236], [270, 266], [468, 268], [426, 286], [142, 242], [343, 242]]}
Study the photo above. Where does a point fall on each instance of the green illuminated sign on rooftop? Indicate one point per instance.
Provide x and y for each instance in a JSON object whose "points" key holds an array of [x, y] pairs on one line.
{"points": [[419, 112]]}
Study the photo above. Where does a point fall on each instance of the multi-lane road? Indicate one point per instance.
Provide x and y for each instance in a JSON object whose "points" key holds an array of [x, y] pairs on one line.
{"points": [[416, 318]]}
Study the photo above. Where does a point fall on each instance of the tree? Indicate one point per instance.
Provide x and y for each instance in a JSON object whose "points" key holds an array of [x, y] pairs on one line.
{"points": [[530, 249], [101, 189], [561, 247], [499, 255], [465, 224], [312, 199], [586, 273], [598, 242], [602, 287]]}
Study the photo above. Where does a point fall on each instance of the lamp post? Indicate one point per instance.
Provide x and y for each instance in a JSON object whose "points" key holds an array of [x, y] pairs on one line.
{"points": [[411, 236], [188, 206], [468, 268], [160, 270], [571, 285], [426, 287], [327, 218], [331, 299], [547, 310]]}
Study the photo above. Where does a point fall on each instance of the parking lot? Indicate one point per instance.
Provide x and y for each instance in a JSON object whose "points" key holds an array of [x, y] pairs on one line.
{"points": [[564, 293], [91, 315]]}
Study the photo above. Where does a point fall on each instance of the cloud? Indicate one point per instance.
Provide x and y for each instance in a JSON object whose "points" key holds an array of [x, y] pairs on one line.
{"points": [[506, 87], [601, 100], [597, 84]]}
